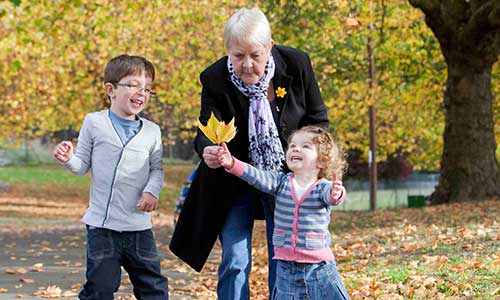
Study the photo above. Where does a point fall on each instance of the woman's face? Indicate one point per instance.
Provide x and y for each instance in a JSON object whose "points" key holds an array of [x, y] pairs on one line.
{"points": [[249, 60]]}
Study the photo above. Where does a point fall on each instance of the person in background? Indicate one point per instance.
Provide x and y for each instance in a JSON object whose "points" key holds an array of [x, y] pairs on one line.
{"points": [[270, 91], [179, 203]]}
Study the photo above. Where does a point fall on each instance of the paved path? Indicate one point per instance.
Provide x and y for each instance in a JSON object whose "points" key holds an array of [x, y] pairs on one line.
{"points": [[57, 249]]}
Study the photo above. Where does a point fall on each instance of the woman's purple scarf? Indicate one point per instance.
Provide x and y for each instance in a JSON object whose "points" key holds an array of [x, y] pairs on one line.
{"points": [[266, 151]]}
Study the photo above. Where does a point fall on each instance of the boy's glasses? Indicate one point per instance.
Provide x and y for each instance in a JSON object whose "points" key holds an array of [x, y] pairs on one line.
{"points": [[135, 88]]}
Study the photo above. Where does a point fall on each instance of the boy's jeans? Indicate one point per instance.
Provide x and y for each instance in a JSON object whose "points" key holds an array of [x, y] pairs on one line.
{"points": [[236, 241], [319, 281], [108, 250]]}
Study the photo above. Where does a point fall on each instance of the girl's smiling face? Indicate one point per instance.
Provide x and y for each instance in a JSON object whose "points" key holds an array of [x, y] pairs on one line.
{"points": [[302, 154]]}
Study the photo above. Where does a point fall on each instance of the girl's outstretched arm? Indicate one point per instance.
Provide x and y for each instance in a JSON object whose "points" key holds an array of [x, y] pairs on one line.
{"points": [[266, 181]]}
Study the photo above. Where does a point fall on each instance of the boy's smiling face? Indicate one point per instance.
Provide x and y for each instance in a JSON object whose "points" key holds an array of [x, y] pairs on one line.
{"points": [[129, 96]]}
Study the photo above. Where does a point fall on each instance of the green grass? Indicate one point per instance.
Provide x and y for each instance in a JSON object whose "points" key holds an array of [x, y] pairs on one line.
{"points": [[41, 174], [55, 180], [398, 275]]}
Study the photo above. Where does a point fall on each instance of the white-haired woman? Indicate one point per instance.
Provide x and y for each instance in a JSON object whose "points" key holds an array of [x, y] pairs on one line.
{"points": [[271, 91]]}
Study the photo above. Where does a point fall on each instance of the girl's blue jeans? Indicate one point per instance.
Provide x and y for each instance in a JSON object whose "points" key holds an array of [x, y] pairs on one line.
{"points": [[236, 241], [297, 281], [108, 251]]}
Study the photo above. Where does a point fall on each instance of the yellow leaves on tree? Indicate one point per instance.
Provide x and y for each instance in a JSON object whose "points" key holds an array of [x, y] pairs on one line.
{"points": [[352, 22], [218, 132], [53, 54]]}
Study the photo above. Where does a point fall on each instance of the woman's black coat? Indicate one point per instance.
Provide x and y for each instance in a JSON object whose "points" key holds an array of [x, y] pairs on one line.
{"points": [[212, 190]]}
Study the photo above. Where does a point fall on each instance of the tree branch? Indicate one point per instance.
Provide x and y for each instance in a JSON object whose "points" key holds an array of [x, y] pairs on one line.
{"points": [[486, 18], [427, 6], [494, 17], [382, 26], [436, 20]]}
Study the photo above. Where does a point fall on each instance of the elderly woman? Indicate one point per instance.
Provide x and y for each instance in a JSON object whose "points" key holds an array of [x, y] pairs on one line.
{"points": [[271, 91]]}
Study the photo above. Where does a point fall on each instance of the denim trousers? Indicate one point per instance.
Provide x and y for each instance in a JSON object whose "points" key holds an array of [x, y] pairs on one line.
{"points": [[236, 241], [301, 281], [108, 251]]}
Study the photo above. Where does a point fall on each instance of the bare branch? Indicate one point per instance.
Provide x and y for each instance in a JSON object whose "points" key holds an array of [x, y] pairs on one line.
{"points": [[494, 17], [484, 19], [427, 6], [436, 19]]}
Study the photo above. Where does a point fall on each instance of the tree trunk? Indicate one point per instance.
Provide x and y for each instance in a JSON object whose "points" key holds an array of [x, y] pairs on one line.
{"points": [[469, 168], [468, 32]]}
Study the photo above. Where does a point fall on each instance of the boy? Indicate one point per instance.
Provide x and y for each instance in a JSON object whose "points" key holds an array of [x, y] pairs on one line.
{"points": [[124, 152]]}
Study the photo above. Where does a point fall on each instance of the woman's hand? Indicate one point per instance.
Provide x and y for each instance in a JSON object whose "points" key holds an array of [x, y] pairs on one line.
{"points": [[210, 156], [225, 158]]}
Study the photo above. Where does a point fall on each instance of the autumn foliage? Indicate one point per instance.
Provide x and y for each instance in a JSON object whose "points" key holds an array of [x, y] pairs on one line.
{"points": [[53, 54]]}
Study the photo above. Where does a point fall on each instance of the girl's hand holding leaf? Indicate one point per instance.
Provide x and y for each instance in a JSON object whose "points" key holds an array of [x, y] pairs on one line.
{"points": [[225, 158]]}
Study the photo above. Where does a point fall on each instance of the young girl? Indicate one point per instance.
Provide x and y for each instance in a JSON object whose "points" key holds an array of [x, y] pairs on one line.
{"points": [[306, 265]]}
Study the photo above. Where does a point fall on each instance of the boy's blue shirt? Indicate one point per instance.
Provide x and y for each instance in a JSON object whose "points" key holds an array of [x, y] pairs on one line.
{"points": [[126, 129], [120, 172]]}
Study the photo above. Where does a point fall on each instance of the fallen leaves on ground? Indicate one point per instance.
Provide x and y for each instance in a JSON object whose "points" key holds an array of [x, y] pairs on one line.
{"points": [[17, 271], [41, 207], [53, 291], [442, 252]]}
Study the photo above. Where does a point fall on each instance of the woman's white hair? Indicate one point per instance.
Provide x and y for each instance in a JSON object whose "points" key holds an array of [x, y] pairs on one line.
{"points": [[247, 26]]}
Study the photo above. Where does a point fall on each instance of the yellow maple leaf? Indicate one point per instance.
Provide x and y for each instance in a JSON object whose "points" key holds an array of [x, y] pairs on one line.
{"points": [[217, 131]]}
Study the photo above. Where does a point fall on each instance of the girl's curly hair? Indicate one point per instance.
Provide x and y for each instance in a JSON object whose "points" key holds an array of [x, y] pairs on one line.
{"points": [[330, 154]]}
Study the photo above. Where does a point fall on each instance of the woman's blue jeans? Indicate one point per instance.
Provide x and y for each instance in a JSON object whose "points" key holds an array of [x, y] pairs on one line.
{"points": [[236, 240]]}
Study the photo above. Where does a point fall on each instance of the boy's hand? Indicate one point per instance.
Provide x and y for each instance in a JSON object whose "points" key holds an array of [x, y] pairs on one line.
{"points": [[225, 158], [64, 151], [148, 202], [338, 189]]}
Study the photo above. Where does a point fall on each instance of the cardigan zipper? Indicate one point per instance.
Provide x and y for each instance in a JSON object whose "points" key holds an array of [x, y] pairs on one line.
{"points": [[116, 167]]}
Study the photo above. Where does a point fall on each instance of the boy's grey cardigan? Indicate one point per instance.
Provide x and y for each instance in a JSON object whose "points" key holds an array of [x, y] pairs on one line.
{"points": [[120, 173]]}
